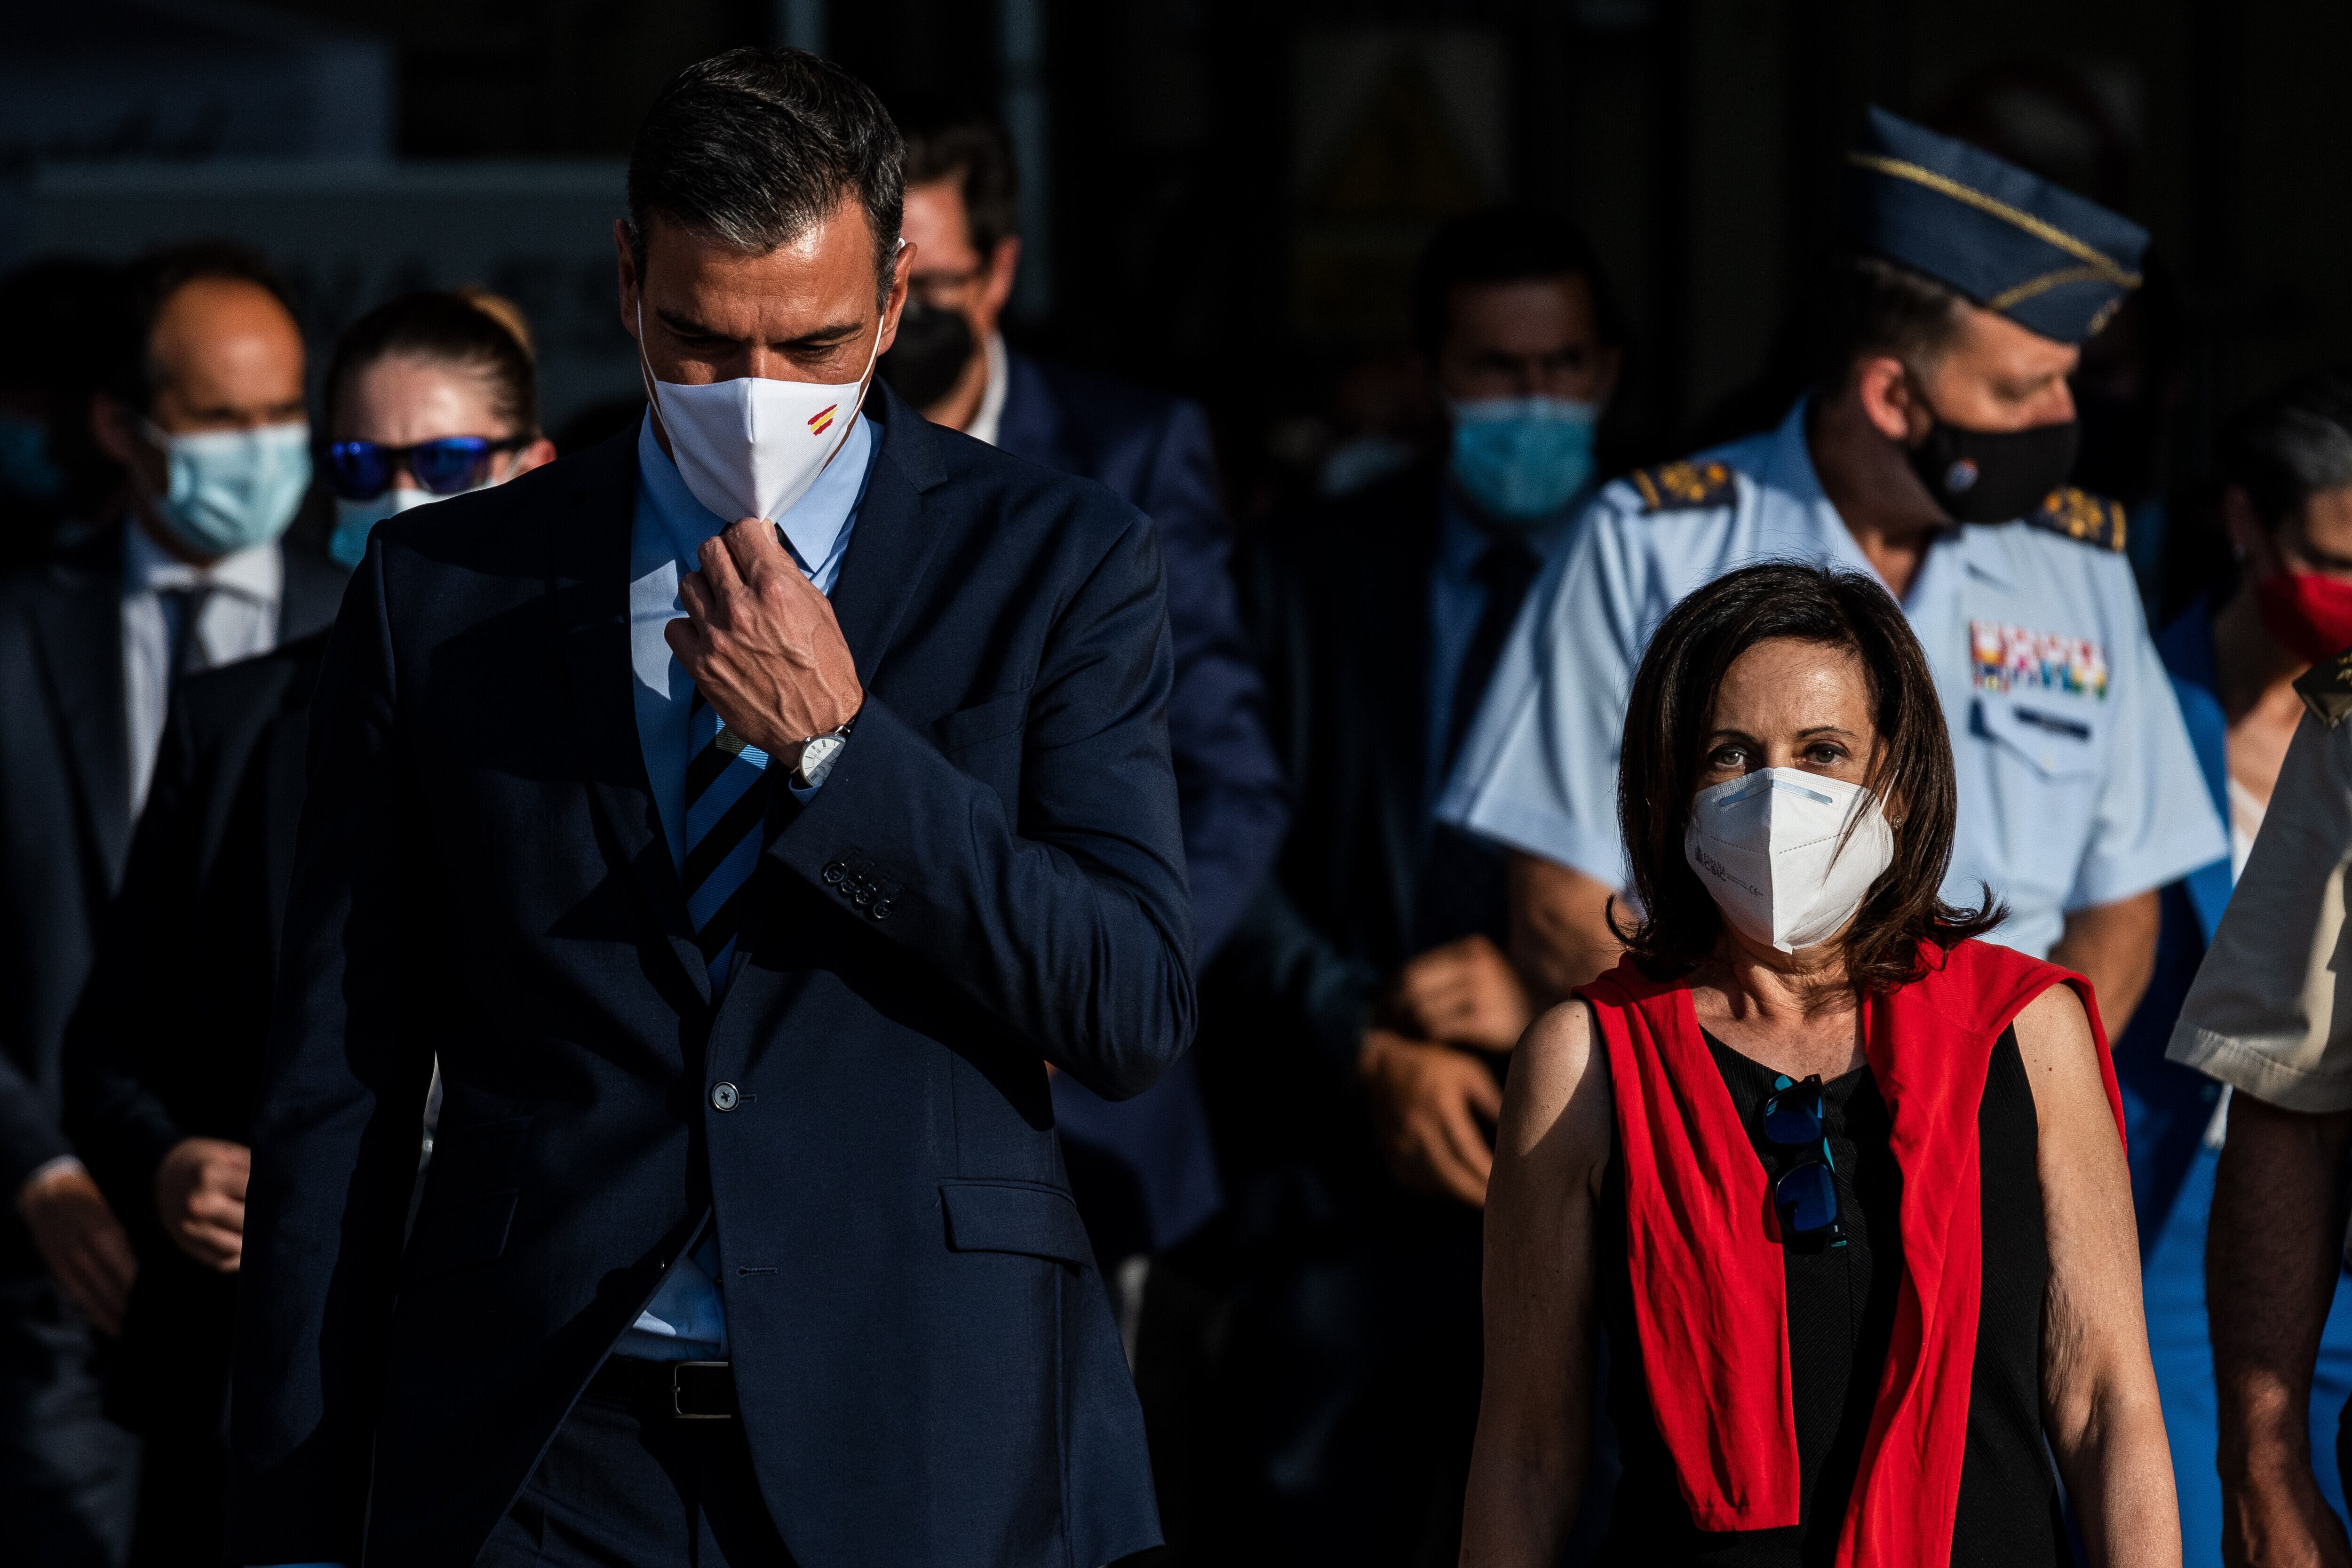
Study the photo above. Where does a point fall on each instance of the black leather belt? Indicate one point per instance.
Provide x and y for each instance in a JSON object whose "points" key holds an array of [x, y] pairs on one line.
{"points": [[682, 1390]]}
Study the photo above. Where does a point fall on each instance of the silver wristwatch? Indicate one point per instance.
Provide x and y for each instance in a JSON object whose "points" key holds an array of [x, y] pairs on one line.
{"points": [[818, 754]]}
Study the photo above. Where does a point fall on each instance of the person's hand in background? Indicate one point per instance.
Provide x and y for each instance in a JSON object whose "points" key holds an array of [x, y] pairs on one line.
{"points": [[1431, 1106], [200, 1198], [80, 1241], [1466, 993]]}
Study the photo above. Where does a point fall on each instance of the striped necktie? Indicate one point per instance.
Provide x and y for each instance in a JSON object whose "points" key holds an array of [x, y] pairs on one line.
{"points": [[725, 802]]}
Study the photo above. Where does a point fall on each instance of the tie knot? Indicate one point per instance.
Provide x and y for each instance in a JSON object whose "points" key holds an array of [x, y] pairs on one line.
{"points": [[1508, 564]]}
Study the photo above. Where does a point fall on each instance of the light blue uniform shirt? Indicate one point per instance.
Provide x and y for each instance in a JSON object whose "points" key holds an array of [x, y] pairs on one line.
{"points": [[684, 1321], [2077, 784]]}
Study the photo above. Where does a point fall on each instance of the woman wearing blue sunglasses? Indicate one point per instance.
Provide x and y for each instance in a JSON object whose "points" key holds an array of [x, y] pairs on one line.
{"points": [[1842, 1185], [431, 394]]}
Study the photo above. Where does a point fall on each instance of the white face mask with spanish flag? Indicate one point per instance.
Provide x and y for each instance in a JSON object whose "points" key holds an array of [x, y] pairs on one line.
{"points": [[750, 448]]}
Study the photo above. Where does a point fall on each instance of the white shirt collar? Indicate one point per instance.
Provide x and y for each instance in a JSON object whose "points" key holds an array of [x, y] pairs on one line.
{"points": [[257, 573], [812, 525], [992, 398]]}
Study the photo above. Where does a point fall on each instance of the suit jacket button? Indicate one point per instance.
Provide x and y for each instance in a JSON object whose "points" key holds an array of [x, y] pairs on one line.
{"points": [[835, 874], [881, 910], [723, 1096], [864, 895]]}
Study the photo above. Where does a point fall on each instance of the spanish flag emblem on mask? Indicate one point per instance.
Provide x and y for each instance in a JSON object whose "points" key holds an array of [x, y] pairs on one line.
{"points": [[821, 420]]}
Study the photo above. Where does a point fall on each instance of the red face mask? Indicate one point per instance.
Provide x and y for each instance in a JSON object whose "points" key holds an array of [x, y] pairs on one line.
{"points": [[2311, 615]]}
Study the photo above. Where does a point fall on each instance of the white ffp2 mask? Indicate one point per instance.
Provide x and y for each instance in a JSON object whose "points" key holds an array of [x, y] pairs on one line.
{"points": [[750, 448], [1788, 855]]}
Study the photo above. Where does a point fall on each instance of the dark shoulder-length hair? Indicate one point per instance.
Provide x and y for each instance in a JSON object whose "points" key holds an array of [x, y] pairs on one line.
{"points": [[1666, 729]]}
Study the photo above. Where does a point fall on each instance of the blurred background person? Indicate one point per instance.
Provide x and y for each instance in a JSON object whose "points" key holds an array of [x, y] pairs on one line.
{"points": [[1143, 1169], [200, 406], [1932, 452], [1801, 1027], [2275, 563], [430, 395], [1351, 1032], [53, 478]]}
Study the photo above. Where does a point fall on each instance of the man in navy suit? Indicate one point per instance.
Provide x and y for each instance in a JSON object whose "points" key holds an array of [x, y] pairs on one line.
{"points": [[738, 873], [1147, 1176]]}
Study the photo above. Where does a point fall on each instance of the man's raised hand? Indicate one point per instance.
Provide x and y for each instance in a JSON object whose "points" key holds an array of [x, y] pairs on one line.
{"points": [[762, 644]]}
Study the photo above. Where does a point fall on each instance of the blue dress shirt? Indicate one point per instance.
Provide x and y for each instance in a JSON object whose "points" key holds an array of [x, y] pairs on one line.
{"points": [[1458, 599], [684, 1321]]}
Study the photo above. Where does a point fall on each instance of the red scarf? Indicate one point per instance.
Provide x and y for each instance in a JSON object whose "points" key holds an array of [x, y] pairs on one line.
{"points": [[1703, 1239]]}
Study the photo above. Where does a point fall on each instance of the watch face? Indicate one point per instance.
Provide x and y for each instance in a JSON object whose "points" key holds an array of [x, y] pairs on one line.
{"points": [[816, 753]]}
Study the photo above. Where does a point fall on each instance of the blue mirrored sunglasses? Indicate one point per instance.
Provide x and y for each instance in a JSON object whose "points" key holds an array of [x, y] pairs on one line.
{"points": [[363, 470], [1806, 1195]]}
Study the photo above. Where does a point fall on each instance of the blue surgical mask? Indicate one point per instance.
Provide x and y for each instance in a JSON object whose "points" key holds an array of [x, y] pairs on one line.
{"points": [[26, 469], [354, 520], [232, 489], [1523, 459]]}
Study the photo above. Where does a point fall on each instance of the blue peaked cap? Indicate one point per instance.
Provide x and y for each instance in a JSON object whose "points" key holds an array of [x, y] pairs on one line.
{"points": [[2049, 260]]}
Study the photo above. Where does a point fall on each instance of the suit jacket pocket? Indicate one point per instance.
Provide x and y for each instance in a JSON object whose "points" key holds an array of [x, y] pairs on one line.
{"points": [[989, 721], [1015, 1216], [463, 1234]]}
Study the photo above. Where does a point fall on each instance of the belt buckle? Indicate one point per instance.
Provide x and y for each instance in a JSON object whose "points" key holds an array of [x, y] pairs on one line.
{"points": [[677, 1410]]}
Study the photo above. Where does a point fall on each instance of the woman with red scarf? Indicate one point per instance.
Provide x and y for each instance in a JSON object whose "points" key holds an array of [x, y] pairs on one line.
{"points": [[1843, 1186]]}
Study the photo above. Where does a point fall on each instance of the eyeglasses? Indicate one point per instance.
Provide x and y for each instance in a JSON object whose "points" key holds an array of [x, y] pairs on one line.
{"points": [[1806, 1195], [363, 470], [943, 288]]}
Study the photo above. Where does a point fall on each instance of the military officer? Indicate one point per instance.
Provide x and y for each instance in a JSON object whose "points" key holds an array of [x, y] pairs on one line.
{"points": [[1932, 453]]}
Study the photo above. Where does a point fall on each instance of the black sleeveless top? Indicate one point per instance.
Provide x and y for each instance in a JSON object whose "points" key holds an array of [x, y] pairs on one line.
{"points": [[1840, 1317]]}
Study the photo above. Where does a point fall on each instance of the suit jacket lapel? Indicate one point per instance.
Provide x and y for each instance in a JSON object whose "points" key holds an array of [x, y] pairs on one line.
{"points": [[81, 654], [889, 547], [1400, 631], [888, 551], [312, 592], [1031, 423], [589, 582]]}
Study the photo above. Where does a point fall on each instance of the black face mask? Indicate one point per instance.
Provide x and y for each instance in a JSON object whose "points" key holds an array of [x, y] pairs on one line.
{"points": [[929, 353], [1988, 476]]}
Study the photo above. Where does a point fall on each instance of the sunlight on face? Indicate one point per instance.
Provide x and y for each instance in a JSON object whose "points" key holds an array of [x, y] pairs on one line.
{"points": [[1789, 704]]}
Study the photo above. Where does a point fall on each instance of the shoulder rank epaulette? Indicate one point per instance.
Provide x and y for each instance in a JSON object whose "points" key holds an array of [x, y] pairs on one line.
{"points": [[1684, 486], [2327, 689], [2079, 514]]}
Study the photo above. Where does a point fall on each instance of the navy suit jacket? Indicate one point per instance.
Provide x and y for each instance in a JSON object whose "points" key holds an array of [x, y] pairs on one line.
{"points": [[167, 1042], [992, 874], [1152, 1176], [64, 817]]}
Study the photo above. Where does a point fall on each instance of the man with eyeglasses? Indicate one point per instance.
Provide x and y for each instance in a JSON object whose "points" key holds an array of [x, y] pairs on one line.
{"points": [[1144, 1172], [202, 408]]}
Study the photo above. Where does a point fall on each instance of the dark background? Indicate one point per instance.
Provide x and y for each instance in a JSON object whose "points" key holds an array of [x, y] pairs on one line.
{"points": [[1225, 195]]}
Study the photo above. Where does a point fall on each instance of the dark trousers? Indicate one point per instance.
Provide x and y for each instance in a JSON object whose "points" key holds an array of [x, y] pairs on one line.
{"points": [[1315, 1403], [624, 1488], [183, 1500], [68, 1477]]}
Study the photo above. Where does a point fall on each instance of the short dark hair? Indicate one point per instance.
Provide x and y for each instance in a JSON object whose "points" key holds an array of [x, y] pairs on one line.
{"points": [[1865, 306], [2289, 445], [751, 147], [1505, 245], [973, 154], [1665, 744], [461, 329], [127, 359]]}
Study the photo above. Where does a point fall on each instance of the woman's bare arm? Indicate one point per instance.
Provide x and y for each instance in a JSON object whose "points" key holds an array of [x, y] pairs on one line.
{"points": [[2098, 1390], [1535, 1413]]}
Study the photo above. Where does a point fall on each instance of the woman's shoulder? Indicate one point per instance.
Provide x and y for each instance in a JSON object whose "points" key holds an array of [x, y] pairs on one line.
{"points": [[1559, 1071]]}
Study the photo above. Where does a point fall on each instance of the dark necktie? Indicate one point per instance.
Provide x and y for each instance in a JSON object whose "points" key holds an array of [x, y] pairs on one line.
{"points": [[726, 805], [183, 609], [1506, 571]]}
